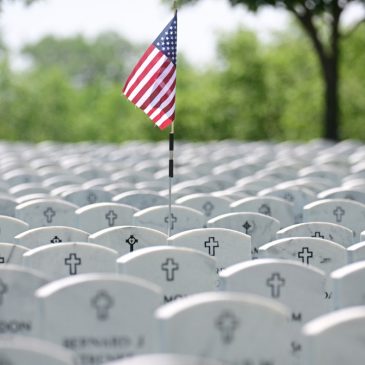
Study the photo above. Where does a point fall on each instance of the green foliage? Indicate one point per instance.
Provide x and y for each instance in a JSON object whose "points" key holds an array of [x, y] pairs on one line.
{"points": [[85, 62], [254, 91]]}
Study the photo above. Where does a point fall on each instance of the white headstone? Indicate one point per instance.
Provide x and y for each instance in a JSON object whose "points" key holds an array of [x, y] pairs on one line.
{"points": [[10, 227], [233, 328], [323, 254], [348, 285], [47, 212], [95, 217], [227, 246], [18, 307], [27, 189], [178, 271], [7, 205], [71, 258], [343, 193], [211, 206], [101, 317], [356, 252], [82, 197], [41, 236], [30, 351], [182, 218], [301, 288], [340, 211], [127, 239], [261, 228], [299, 197], [11, 253], [329, 231], [336, 338], [20, 176], [277, 208], [140, 199]]}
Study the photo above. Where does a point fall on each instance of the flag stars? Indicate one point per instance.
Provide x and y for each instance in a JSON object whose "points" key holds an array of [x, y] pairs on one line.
{"points": [[166, 42]]}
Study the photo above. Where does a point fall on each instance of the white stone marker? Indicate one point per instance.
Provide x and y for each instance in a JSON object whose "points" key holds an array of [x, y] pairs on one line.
{"points": [[227, 246], [299, 197], [343, 193], [18, 307], [61, 180], [277, 208], [11, 253], [329, 231], [348, 285], [182, 218], [41, 236], [323, 254], [10, 227], [301, 288], [30, 351], [125, 239], [231, 327], [362, 236], [7, 205], [141, 199], [348, 213], [165, 359], [178, 271], [82, 197], [356, 252], [71, 258], [261, 228], [336, 338], [20, 176], [95, 217], [211, 206], [102, 317], [47, 212], [27, 189]]}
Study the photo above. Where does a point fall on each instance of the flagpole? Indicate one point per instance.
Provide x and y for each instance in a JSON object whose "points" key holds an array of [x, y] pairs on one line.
{"points": [[171, 174], [171, 156]]}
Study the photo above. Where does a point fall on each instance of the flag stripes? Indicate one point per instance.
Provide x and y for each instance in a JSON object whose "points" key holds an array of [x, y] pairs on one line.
{"points": [[152, 84]]}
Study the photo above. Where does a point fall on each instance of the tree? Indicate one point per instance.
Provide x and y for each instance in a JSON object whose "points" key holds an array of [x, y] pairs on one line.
{"points": [[105, 59], [320, 20]]}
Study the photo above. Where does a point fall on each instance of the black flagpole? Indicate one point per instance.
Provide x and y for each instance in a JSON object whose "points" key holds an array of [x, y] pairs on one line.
{"points": [[171, 159], [171, 173]]}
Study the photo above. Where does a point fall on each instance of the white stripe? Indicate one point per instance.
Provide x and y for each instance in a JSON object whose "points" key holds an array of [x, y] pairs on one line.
{"points": [[155, 85], [151, 56], [166, 116], [147, 78], [161, 93], [163, 105]]}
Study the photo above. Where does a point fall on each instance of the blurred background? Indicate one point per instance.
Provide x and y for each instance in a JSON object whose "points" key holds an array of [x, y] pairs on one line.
{"points": [[245, 70]]}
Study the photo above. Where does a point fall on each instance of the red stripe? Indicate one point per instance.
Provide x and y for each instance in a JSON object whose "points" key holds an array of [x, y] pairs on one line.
{"points": [[144, 73], [150, 82], [158, 89], [167, 122], [163, 98], [138, 65], [164, 110]]}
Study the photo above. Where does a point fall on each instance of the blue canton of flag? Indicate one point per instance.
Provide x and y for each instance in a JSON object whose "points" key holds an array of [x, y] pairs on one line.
{"points": [[166, 41]]}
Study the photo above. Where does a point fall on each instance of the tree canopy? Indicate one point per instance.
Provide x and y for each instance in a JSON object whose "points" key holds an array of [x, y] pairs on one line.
{"points": [[272, 91], [321, 22]]}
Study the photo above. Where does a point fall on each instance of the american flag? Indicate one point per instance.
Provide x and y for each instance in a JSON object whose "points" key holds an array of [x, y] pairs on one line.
{"points": [[152, 84]]}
